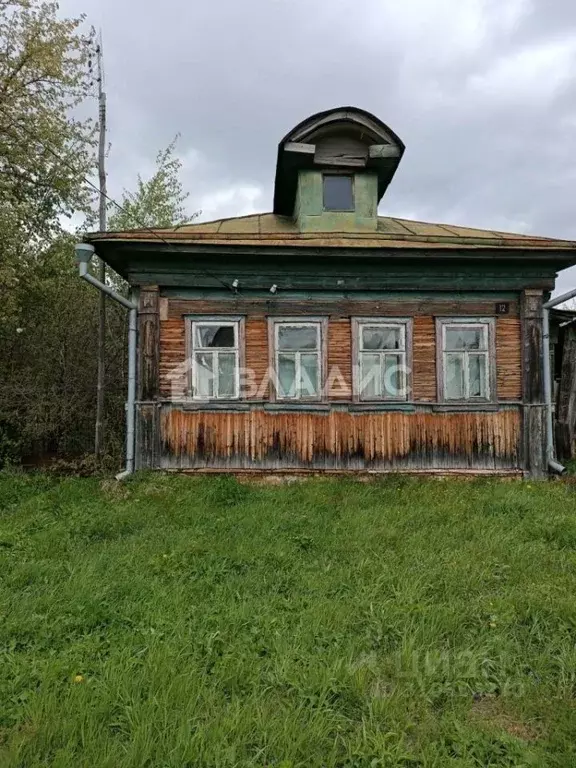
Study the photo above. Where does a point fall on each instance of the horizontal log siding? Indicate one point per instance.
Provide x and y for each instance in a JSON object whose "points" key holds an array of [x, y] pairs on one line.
{"points": [[424, 359], [509, 358], [173, 345], [173, 383], [175, 307], [256, 358], [339, 440], [340, 358]]}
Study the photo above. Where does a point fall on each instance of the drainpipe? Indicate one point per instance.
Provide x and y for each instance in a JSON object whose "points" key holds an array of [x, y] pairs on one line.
{"points": [[553, 465], [84, 253]]}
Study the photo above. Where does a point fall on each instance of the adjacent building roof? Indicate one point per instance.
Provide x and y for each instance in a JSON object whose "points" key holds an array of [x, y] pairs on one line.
{"points": [[269, 229]]}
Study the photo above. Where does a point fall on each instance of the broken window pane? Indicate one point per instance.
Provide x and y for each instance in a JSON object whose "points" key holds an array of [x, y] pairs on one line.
{"points": [[464, 338], [381, 338], [293, 337], [215, 335]]}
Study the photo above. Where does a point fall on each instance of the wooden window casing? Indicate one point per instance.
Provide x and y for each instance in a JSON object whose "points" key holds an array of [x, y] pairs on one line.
{"points": [[193, 349], [339, 340], [488, 353], [404, 325], [301, 321]]}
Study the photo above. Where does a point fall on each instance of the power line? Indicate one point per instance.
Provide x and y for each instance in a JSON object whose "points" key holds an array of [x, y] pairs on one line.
{"points": [[120, 207]]}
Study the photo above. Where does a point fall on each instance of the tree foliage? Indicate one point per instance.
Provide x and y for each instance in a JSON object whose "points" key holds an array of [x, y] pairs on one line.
{"points": [[45, 153], [157, 201], [48, 362], [48, 316], [47, 340]]}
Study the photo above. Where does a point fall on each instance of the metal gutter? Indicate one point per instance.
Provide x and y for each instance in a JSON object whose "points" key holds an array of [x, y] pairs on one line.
{"points": [[84, 253]]}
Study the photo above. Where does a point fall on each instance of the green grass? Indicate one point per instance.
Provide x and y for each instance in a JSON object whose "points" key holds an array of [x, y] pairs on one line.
{"points": [[322, 623]]}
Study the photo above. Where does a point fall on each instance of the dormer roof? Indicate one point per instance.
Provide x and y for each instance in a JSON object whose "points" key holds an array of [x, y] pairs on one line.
{"points": [[341, 138]]}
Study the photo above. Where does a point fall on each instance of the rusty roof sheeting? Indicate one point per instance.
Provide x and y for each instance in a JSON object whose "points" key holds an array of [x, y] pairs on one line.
{"points": [[268, 229]]}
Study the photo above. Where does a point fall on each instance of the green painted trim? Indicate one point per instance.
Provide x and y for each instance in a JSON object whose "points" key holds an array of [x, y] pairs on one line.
{"points": [[309, 210], [327, 295], [234, 406]]}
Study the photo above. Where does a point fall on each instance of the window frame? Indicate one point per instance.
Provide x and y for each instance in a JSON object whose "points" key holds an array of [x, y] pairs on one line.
{"points": [[235, 321], [352, 177], [274, 323], [406, 324], [489, 323]]}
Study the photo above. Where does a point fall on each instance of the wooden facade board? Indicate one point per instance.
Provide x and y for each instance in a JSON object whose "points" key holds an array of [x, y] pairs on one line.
{"points": [[173, 354], [339, 440]]}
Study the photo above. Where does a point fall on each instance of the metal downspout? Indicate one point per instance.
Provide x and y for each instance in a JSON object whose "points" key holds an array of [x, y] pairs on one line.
{"points": [[552, 463], [84, 253]]}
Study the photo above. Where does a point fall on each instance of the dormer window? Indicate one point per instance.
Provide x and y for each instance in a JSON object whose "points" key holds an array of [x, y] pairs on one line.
{"points": [[338, 192]]}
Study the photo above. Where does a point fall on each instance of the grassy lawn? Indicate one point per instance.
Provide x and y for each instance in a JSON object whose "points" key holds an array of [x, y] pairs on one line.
{"points": [[172, 622]]}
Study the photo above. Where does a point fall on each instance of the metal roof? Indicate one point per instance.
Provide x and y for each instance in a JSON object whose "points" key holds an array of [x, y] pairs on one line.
{"points": [[269, 229]]}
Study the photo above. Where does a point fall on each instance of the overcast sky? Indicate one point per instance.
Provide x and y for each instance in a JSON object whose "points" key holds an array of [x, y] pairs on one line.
{"points": [[482, 92]]}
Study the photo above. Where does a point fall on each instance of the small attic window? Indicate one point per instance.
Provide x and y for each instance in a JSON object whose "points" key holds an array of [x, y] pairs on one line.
{"points": [[338, 192]]}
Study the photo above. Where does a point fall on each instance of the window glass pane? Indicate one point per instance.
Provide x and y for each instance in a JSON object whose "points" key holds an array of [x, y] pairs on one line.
{"points": [[464, 338], [393, 377], [291, 337], [381, 338], [204, 374], [226, 374], [338, 193], [309, 375], [370, 376], [454, 377], [477, 374], [287, 375], [215, 335]]}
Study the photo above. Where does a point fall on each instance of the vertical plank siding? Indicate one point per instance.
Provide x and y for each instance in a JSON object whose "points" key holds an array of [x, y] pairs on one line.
{"points": [[339, 440], [147, 429], [533, 383]]}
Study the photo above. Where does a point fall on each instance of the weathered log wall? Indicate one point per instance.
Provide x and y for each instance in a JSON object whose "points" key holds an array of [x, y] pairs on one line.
{"points": [[257, 439], [173, 341], [566, 413]]}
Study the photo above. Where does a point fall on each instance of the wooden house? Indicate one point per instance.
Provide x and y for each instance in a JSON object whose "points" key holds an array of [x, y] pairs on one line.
{"points": [[324, 337]]}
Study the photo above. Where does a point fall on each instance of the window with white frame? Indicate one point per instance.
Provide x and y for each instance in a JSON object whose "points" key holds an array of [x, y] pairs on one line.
{"points": [[381, 366], [297, 359], [215, 358], [467, 367]]}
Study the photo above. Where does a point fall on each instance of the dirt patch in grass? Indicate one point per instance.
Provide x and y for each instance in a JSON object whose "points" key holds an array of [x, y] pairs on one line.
{"points": [[495, 713]]}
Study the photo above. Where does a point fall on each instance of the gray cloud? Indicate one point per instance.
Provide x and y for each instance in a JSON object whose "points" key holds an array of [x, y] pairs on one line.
{"points": [[481, 91]]}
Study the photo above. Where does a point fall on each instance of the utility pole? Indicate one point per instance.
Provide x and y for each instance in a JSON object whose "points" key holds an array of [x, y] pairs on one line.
{"points": [[101, 383]]}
